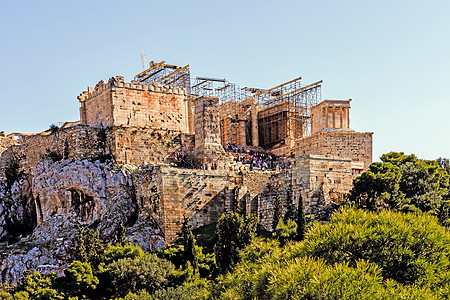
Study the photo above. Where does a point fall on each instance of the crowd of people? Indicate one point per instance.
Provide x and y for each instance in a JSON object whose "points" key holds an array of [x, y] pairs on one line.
{"points": [[246, 158], [184, 161], [257, 159]]}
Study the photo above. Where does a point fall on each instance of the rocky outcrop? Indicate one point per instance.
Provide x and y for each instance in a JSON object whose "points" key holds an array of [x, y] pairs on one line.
{"points": [[83, 193], [57, 198], [17, 210], [13, 262]]}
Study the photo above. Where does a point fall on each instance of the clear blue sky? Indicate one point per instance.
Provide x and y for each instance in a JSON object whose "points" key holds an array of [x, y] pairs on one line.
{"points": [[391, 57]]}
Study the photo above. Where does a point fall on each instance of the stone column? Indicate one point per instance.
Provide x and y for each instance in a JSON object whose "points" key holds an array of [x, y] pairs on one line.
{"points": [[348, 116], [254, 114], [334, 115]]}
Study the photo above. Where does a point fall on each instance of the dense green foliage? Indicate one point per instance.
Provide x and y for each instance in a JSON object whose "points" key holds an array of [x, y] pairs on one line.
{"points": [[89, 247], [286, 232], [359, 255], [409, 248], [402, 182], [234, 232]]}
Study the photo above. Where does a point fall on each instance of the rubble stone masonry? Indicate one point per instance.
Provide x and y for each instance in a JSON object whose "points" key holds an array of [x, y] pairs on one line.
{"points": [[137, 145]]}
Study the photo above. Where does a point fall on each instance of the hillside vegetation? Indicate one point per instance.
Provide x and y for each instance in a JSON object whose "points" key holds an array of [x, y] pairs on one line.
{"points": [[389, 242]]}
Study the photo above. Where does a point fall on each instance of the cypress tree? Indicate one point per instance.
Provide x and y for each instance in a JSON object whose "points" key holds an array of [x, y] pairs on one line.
{"points": [[301, 222], [121, 234], [236, 207], [188, 242], [277, 212]]}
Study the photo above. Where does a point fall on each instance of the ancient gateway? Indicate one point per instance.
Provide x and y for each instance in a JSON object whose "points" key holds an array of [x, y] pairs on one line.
{"points": [[201, 142]]}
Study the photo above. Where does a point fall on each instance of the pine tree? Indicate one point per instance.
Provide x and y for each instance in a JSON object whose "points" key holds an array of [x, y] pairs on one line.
{"points": [[301, 222], [188, 242]]}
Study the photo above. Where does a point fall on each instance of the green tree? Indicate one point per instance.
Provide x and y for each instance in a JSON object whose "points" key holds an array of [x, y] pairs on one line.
{"points": [[121, 234], [398, 158], [378, 186], [236, 207], [187, 239], [89, 247], [277, 212], [301, 221], [444, 163], [285, 232], [234, 232], [38, 286], [134, 274], [13, 170], [79, 279], [444, 214], [267, 271], [409, 248]]}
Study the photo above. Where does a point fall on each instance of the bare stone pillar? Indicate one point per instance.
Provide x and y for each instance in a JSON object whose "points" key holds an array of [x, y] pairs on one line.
{"points": [[255, 135], [207, 130]]}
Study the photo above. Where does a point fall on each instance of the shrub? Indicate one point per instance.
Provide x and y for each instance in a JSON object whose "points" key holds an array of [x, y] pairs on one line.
{"points": [[134, 274], [409, 248]]}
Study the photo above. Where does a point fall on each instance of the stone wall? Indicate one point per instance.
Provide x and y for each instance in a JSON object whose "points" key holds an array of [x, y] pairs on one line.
{"points": [[75, 142], [117, 103], [322, 179], [170, 193], [356, 146], [278, 185], [137, 145]]}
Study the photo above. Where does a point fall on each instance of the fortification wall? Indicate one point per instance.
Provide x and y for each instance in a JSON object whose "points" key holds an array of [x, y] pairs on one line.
{"points": [[323, 179], [170, 193], [117, 103], [136, 145], [75, 142], [356, 146]]}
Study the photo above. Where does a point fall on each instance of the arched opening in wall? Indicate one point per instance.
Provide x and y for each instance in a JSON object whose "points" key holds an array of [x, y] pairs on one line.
{"points": [[83, 205]]}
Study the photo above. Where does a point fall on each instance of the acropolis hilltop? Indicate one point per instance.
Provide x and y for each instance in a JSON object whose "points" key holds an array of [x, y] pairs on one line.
{"points": [[187, 146]]}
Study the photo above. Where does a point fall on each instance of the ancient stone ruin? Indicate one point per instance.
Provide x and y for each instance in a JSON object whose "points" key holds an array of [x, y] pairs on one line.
{"points": [[166, 145]]}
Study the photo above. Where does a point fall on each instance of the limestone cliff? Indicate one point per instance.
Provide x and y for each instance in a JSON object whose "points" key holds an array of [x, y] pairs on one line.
{"points": [[40, 215]]}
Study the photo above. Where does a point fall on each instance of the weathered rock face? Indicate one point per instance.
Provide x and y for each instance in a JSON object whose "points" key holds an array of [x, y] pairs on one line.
{"points": [[14, 262], [62, 196], [81, 193], [17, 210]]}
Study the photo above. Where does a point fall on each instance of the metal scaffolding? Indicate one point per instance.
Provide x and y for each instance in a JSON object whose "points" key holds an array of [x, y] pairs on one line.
{"points": [[167, 75], [283, 112]]}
